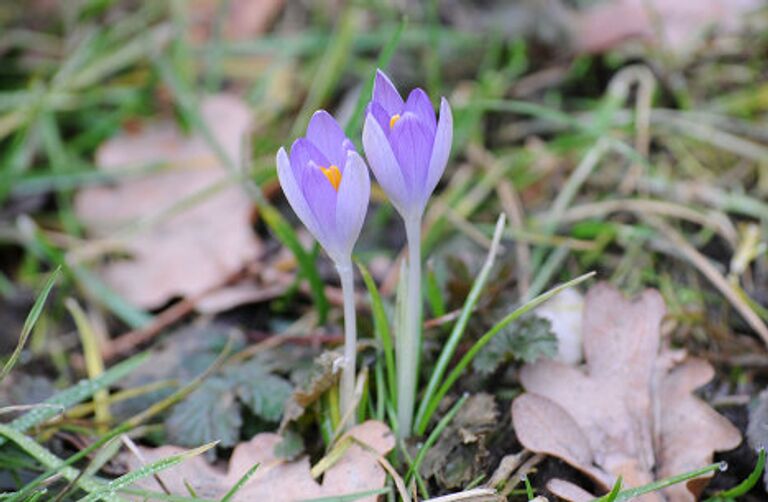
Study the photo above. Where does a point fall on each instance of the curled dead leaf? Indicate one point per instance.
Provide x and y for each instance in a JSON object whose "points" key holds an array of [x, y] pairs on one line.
{"points": [[461, 452]]}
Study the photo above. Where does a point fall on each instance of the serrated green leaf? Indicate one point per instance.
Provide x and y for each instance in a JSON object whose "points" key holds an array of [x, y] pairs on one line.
{"points": [[214, 411], [211, 413], [265, 395], [526, 339], [291, 446]]}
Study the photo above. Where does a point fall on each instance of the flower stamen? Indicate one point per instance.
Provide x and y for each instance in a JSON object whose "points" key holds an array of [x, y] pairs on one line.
{"points": [[393, 120], [334, 176]]}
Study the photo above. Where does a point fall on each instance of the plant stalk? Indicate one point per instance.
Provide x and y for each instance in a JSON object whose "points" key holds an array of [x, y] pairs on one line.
{"points": [[409, 339], [347, 389]]}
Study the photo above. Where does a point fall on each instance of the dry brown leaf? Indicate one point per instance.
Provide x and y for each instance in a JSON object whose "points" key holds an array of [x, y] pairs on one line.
{"points": [[673, 24], [239, 294], [245, 19], [568, 491], [193, 249], [277, 480], [636, 415], [461, 452], [534, 419], [685, 417]]}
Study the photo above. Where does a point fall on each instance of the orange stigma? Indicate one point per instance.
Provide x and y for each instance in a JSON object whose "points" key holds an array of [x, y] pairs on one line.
{"points": [[334, 176], [394, 120]]}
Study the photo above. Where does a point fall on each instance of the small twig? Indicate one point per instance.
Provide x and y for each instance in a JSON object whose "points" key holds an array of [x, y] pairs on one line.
{"points": [[443, 319], [513, 207], [508, 465], [524, 470], [474, 495], [464, 226], [128, 342]]}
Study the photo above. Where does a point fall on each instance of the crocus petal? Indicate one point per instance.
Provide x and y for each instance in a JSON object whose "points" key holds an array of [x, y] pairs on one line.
{"points": [[295, 195], [419, 104], [381, 116], [441, 148], [384, 164], [412, 145], [385, 93], [303, 152], [354, 194], [325, 134], [321, 199]]}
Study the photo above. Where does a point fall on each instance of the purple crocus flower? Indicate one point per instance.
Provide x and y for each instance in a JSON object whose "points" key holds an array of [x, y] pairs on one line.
{"points": [[406, 146], [327, 184]]}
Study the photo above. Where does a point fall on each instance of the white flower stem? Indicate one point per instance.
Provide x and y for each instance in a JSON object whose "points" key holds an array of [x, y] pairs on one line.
{"points": [[409, 339], [346, 275]]}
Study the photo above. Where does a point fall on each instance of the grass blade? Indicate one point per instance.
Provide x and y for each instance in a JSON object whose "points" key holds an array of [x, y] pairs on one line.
{"points": [[351, 497], [329, 67], [48, 459], [94, 363], [306, 261], [422, 420], [381, 329], [240, 483], [134, 421], [746, 485], [29, 323], [632, 493], [353, 126], [127, 480], [75, 394], [434, 435], [39, 245], [614, 493], [512, 316]]}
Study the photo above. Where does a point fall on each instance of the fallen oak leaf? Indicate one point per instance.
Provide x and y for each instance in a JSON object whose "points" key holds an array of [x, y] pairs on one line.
{"points": [[356, 470], [190, 248], [194, 473], [244, 20], [676, 25], [625, 393], [535, 416], [685, 416]]}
